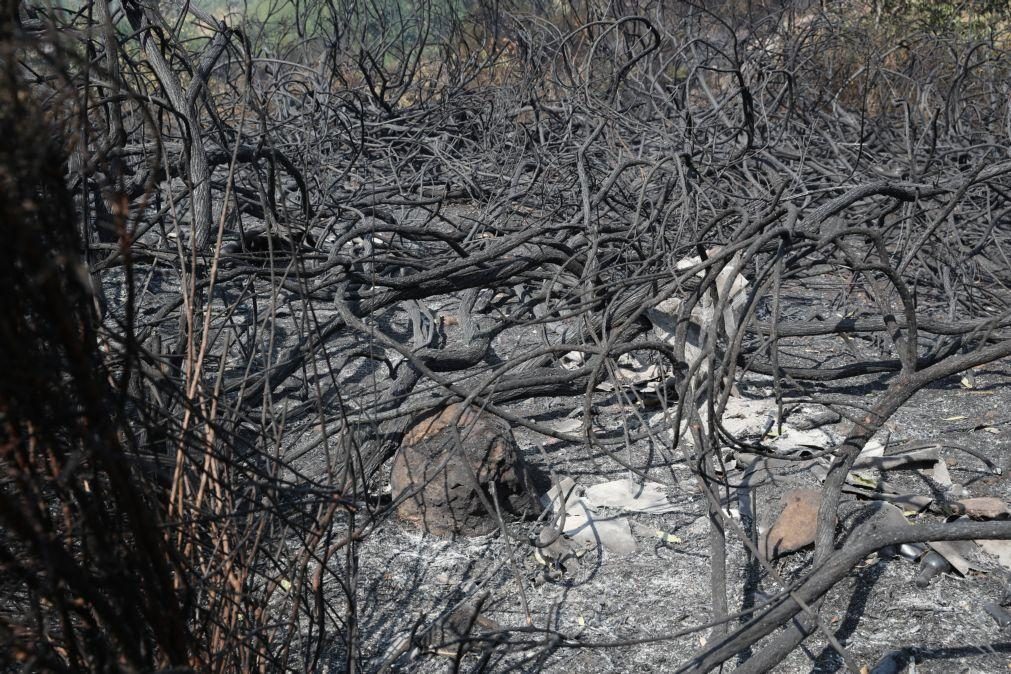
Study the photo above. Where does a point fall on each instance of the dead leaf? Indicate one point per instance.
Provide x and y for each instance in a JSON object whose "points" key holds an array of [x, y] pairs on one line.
{"points": [[941, 475], [872, 448], [667, 538], [893, 515], [635, 375], [566, 425], [861, 479], [794, 439], [727, 466], [573, 360]]}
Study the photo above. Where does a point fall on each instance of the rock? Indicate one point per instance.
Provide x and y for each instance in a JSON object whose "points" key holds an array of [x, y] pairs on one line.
{"points": [[980, 508], [795, 527], [445, 467]]}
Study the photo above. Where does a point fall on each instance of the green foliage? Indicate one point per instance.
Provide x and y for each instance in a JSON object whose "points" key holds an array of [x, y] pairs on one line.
{"points": [[969, 17]]}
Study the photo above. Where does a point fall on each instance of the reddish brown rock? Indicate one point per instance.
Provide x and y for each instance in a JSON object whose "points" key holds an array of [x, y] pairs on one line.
{"points": [[447, 469], [980, 508], [796, 525]]}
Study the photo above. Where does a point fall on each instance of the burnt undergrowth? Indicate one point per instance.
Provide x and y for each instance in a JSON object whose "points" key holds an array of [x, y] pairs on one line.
{"points": [[244, 253]]}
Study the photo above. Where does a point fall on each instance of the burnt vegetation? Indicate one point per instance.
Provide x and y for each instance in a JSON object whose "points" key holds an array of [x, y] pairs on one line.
{"points": [[244, 252]]}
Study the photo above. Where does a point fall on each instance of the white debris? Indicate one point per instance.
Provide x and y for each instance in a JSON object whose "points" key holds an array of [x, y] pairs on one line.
{"points": [[999, 549], [585, 527], [749, 417], [731, 286], [649, 497]]}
